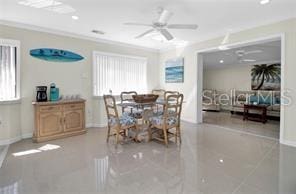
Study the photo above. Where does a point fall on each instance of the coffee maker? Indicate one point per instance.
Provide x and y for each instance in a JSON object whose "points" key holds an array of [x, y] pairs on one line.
{"points": [[41, 93]]}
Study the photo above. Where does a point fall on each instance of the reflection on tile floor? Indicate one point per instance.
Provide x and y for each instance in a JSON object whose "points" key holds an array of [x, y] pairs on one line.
{"points": [[210, 160], [225, 119]]}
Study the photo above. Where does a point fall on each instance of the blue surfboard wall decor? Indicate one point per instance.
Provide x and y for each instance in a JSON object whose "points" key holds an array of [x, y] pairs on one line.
{"points": [[55, 55]]}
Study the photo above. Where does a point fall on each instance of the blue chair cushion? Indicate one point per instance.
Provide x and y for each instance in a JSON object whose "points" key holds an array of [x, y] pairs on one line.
{"points": [[135, 113], [158, 120], [124, 120], [160, 113]]}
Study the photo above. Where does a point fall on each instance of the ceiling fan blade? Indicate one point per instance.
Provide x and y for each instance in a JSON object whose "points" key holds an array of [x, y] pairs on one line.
{"points": [[183, 26], [136, 24], [226, 39], [145, 33], [164, 16], [253, 52], [166, 34]]}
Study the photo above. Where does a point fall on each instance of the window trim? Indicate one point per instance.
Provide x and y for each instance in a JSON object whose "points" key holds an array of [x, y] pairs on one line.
{"points": [[94, 76], [17, 44]]}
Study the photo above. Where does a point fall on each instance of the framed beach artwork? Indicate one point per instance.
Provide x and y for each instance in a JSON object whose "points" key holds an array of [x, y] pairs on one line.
{"points": [[174, 70], [266, 77]]}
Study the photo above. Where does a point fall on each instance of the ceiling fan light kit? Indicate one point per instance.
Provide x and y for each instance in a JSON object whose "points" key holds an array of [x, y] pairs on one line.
{"points": [[161, 25], [242, 53]]}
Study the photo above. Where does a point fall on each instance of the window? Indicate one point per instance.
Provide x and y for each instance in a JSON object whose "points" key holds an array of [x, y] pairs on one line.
{"points": [[116, 73], [9, 70]]}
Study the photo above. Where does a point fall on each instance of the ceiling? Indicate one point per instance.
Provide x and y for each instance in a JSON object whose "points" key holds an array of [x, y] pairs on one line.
{"points": [[214, 17], [269, 52]]}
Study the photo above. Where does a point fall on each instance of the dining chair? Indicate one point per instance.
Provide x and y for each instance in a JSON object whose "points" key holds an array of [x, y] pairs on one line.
{"points": [[168, 124], [167, 93], [160, 110], [119, 124], [159, 92], [132, 111]]}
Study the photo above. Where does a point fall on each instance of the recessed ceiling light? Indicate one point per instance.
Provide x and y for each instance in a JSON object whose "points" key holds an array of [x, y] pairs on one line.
{"points": [[98, 32], [221, 61], [263, 2], [74, 17]]}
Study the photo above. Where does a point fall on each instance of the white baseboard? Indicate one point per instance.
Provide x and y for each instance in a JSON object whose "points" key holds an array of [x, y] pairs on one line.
{"points": [[30, 135], [16, 139], [189, 120], [100, 125], [288, 143], [3, 154], [97, 125], [89, 125], [27, 135], [10, 140]]}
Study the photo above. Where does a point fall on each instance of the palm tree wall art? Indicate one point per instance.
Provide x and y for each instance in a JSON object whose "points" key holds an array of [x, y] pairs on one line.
{"points": [[266, 77]]}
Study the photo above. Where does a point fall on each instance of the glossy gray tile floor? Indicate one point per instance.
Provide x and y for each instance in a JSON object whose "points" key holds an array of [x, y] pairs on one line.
{"points": [[210, 160], [225, 119]]}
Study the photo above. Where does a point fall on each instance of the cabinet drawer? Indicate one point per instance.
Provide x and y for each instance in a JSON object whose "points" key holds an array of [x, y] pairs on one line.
{"points": [[73, 106], [50, 108]]}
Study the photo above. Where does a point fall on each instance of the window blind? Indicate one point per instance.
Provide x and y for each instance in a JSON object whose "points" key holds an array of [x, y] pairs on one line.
{"points": [[7, 73], [117, 73]]}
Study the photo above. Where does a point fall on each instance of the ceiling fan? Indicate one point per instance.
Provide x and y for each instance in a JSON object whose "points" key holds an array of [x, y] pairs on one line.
{"points": [[242, 53], [161, 25]]}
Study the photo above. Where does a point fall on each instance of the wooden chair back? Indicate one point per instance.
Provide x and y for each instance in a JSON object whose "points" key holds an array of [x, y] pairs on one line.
{"points": [[173, 107], [167, 93], [159, 92], [126, 97], [110, 106]]}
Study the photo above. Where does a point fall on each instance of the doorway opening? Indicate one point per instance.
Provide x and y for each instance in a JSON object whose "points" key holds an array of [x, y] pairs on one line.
{"points": [[241, 88]]}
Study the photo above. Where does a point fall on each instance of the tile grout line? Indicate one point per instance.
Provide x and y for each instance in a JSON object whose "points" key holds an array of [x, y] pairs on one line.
{"points": [[242, 132], [256, 167]]}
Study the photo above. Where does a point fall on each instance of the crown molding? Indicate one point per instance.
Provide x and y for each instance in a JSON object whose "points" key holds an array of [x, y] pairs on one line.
{"points": [[221, 34], [74, 35], [221, 66], [217, 35]]}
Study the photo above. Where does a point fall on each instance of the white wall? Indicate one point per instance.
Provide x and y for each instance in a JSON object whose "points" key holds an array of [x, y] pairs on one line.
{"points": [[224, 80], [288, 28], [17, 120], [228, 78]]}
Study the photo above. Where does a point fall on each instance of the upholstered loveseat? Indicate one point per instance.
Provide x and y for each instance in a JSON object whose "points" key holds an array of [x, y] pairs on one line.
{"points": [[210, 100], [270, 98]]}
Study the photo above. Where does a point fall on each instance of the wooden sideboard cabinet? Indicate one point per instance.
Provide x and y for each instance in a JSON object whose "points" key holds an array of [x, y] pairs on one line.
{"points": [[59, 119]]}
